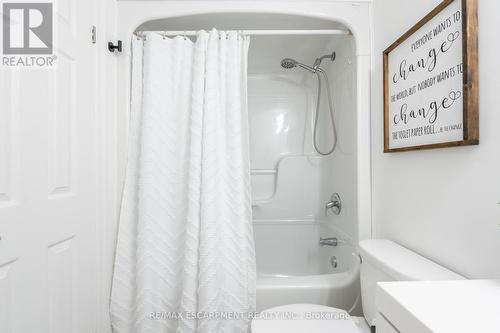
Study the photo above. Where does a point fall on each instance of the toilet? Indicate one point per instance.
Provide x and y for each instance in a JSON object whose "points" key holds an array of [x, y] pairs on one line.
{"points": [[382, 260]]}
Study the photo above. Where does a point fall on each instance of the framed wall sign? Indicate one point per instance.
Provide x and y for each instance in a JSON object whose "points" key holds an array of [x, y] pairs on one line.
{"points": [[431, 81]]}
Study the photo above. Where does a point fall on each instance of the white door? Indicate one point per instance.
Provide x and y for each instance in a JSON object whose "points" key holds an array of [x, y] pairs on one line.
{"points": [[48, 158]]}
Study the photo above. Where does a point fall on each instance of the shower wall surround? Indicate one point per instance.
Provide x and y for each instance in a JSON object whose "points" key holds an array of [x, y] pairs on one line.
{"points": [[290, 181]]}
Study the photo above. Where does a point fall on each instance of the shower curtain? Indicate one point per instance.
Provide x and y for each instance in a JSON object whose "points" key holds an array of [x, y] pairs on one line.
{"points": [[185, 258]]}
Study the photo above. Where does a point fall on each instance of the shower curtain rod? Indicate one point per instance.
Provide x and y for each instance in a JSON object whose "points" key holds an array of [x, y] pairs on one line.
{"points": [[257, 32]]}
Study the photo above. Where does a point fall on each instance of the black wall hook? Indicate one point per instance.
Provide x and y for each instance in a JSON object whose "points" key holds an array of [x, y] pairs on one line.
{"points": [[112, 47]]}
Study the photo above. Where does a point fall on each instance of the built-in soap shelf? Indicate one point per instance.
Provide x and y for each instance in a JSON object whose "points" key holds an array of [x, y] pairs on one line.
{"points": [[265, 180], [263, 171], [279, 192], [272, 188]]}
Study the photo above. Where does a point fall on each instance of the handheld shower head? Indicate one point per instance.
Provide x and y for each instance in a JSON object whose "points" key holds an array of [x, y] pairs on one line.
{"points": [[288, 63]]}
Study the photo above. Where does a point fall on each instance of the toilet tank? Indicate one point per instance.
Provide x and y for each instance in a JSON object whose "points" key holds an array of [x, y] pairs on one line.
{"points": [[384, 260]]}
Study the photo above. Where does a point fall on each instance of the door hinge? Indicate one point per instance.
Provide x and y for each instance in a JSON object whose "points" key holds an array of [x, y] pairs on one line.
{"points": [[94, 34]]}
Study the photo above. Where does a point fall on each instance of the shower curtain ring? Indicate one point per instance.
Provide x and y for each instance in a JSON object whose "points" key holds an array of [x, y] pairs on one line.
{"points": [[185, 35], [164, 34]]}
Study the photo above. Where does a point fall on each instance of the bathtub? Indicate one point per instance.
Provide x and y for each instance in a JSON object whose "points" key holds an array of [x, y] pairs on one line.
{"points": [[293, 268]]}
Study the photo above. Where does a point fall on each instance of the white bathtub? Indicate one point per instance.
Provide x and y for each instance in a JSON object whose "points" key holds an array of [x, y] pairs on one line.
{"points": [[293, 268]]}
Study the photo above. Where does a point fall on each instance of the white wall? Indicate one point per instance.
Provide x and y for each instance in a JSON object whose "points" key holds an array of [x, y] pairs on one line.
{"points": [[441, 203]]}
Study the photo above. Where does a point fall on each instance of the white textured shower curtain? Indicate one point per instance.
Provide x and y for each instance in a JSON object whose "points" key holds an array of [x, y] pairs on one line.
{"points": [[185, 259]]}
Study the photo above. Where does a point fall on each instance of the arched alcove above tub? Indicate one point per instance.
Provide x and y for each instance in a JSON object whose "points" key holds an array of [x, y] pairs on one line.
{"points": [[282, 102]]}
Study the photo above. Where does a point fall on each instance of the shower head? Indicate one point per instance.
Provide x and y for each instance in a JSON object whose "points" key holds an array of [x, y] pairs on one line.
{"points": [[288, 63]]}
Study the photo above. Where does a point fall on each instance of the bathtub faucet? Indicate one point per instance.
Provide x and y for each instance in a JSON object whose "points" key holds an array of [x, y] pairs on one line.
{"points": [[330, 241], [335, 204]]}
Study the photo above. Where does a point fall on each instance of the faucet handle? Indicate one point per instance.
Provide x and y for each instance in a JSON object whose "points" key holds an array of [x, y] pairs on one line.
{"points": [[335, 204]]}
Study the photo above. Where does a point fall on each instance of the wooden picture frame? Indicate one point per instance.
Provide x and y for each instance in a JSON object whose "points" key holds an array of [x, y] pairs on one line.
{"points": [[470, 81]]}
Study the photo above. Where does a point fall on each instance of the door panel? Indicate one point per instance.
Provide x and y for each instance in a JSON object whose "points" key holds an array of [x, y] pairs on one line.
{"points": [[48, 187], [10, 95]]}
